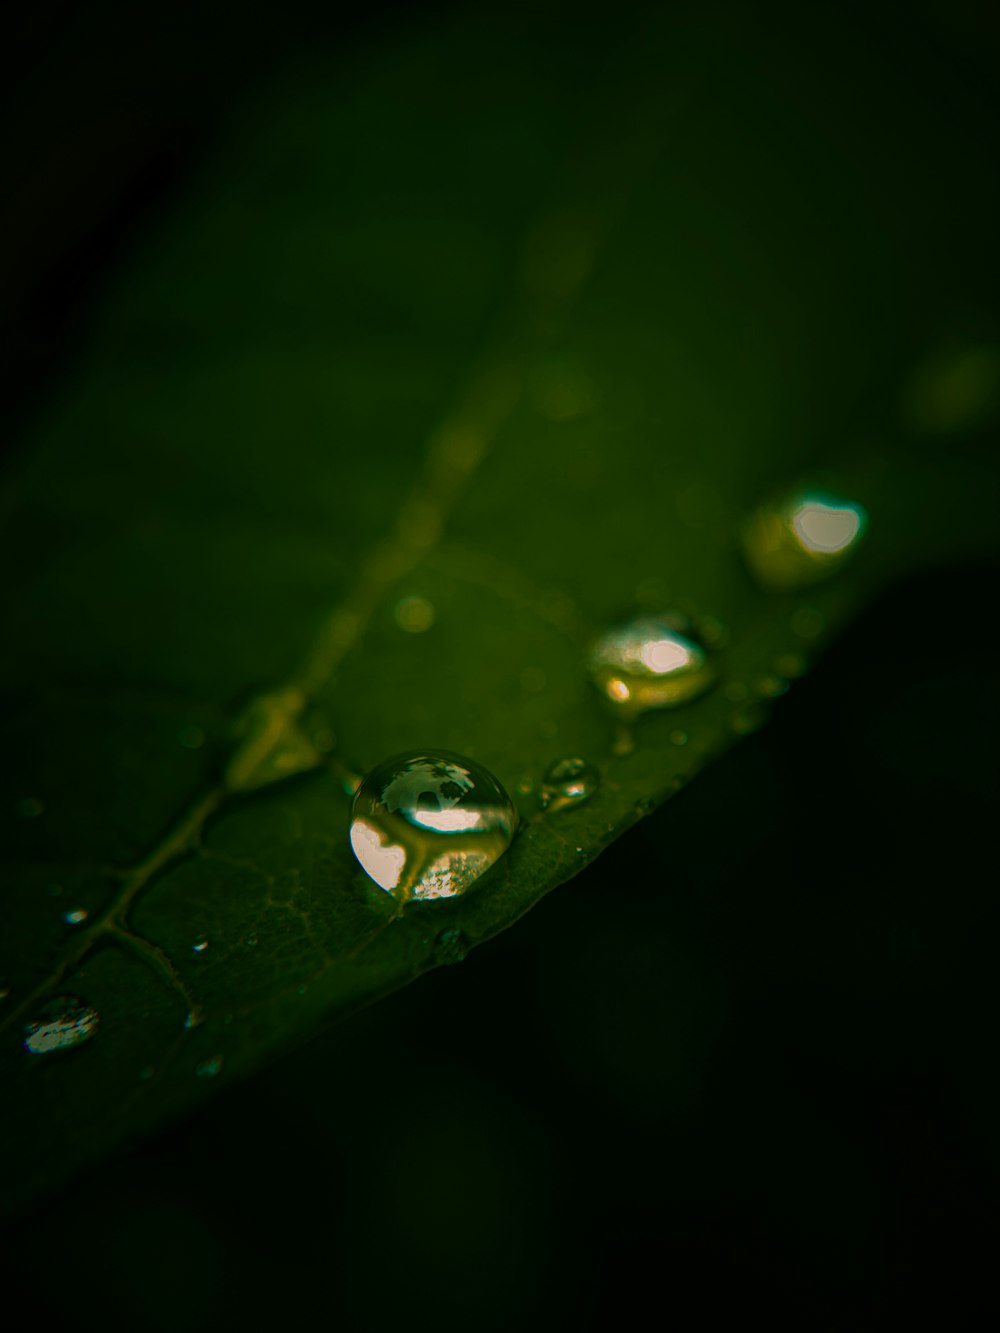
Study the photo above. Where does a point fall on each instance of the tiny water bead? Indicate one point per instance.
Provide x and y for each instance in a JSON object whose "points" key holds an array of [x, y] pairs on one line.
{"points": [[451, 946], [799, 541], [210, 1067], [60, 1024], [76, 917], [200, 945], [650, 662], [429, 823], [568, 782]]}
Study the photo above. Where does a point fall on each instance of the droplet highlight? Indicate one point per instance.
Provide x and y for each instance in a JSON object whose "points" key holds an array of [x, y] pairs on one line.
{"points": [[568, 782], [650, 662], [76, 917], [200, 945], [802, 540], [60, 1024], [428, 824]]}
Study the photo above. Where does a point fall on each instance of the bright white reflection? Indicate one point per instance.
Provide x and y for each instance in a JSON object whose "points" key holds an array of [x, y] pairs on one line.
{"points": [[384, 863], [664, 655], [826, 529], [448, 821]]}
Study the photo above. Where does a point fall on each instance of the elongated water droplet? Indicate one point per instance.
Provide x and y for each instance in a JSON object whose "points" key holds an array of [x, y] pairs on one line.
{"points": [[200, 944], [651, 662], [428, 824], [798, 541], [210, 1067], [568, 782], [76, 917], [63, 1022], [451, 946]]}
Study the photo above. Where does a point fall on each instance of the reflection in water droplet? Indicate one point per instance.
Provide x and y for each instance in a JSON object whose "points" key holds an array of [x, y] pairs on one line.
{"points": [[414, 614], [451, 946], [191, 737], [797, 542], [210, 1067], [76, 917], [568, 782], [651, 662], [428, 824], [63, 1022], [200, 944]]}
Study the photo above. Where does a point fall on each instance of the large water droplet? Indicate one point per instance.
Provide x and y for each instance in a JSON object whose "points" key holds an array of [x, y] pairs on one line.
{"points": [[428, 824], [799, 541], [651, 662], [568, 782], [63, 1022]]}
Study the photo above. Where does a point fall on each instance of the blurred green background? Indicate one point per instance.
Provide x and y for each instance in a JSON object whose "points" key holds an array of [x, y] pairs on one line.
{"points": [[744, 1063]]}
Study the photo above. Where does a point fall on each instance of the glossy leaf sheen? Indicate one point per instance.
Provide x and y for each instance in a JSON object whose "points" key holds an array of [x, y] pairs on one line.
{"points": [[531, 359]]}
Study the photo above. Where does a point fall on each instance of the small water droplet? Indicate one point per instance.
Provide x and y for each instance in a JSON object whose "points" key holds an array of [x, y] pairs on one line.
{"points": [[414, 614], [581, 851], [200, 944], [30, 807], [194, 1018], [790, 665], [798, 541], [678, 738], [451, 946], [748, 719], [807, 623], [63, 1022], [210, 1067], [428, 824], [651, 662], [251, 940], [76, 917], [568, 782], [191, 737], [533, 680], [772, 687]]}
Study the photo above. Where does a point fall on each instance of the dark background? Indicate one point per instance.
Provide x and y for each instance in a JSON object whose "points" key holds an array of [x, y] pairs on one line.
{"points": [[741, 1067]]}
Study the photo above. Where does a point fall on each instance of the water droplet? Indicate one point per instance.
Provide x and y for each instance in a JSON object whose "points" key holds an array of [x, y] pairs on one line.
{"points": [[533, 680], [428, 824], [525, 787], [796, 542], [414, 614], [451, 946], [748, 719], [200, 945], [210, 1067], [651, 662], [568, 782], [30, 807], [808, 623], [678, 738], [772, 687], [63, 1022], [194, 1018], [76, 917], [191, 737]]}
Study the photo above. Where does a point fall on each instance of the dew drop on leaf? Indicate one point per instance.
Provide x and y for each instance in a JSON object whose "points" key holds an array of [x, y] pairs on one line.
{"points": [[451, 946], [63, 1022], [796, 542], [568, 782], [427, 824], [650, 662]]}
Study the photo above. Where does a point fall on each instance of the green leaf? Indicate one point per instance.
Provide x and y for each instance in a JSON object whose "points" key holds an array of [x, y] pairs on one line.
{"points": [[527, 364]]}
